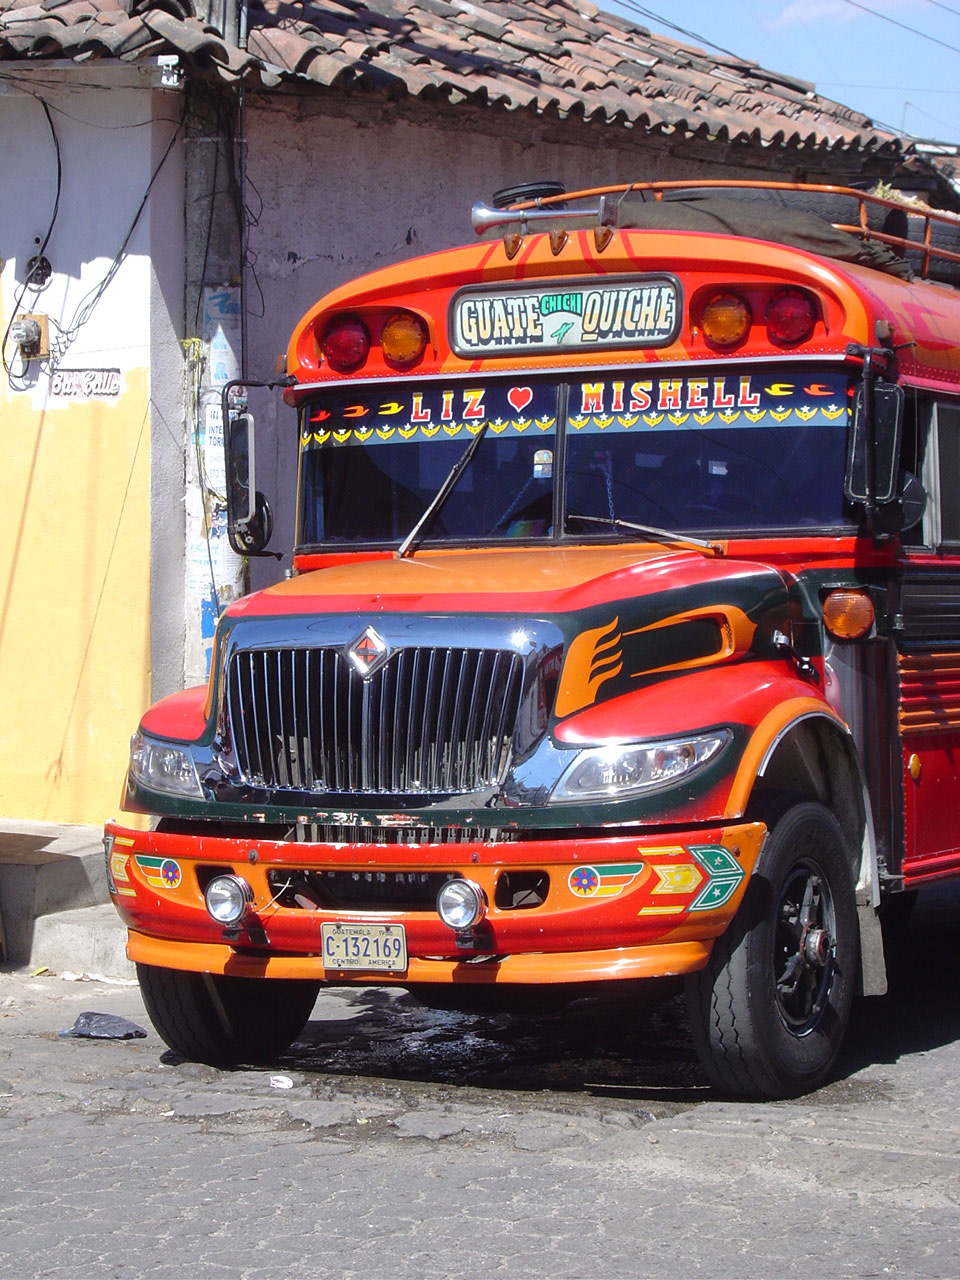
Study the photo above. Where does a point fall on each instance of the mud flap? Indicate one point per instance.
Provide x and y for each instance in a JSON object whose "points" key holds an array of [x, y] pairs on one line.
{"points": [[873, 969]]}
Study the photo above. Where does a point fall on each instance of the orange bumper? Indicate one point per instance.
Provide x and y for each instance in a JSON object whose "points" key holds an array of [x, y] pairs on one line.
{"points": [[656, 961], [616, 907]]}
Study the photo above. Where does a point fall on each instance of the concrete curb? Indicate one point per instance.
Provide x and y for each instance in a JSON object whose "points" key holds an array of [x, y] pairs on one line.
{"points": [[90, 941]]}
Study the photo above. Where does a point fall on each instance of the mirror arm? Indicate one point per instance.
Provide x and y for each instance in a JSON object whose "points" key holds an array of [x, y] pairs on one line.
{"points": [[225, 391], [869, 355]]}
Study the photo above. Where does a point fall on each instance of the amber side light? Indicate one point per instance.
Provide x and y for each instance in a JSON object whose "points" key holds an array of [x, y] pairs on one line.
{"points": [[726, 320], [848, 615], [403, 339]]}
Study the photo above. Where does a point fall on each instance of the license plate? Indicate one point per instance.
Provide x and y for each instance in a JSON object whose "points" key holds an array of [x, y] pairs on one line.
{"points": [[380, 947]]}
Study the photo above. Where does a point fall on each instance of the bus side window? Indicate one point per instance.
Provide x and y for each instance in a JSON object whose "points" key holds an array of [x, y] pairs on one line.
{"points": [[919, 460], [948, 473]]}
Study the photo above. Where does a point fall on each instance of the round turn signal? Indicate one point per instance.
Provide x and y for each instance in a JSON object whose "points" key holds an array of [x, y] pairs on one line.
{"points": [[726, 320], [346, 343], [848, 615], [404, 338], [790, 317]]}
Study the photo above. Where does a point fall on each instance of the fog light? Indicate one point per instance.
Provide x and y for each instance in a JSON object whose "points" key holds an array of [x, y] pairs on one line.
{"points": [[227, 899], [460, 904]]}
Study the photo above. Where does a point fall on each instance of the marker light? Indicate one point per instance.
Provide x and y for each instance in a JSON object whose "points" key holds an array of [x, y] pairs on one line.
{"points": [[227, 899], [404, 339], [726, 320], [460, 904], [790, 317], [848, 615], [346, 343]]}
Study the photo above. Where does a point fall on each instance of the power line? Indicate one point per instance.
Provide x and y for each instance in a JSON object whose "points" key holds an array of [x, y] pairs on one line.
{"points": [[893, 88], [672, 26], [937, 4], [37, 258], [855, 4]]}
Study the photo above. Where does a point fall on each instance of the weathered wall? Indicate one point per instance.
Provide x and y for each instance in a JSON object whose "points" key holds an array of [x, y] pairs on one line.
{"points": [[79, 453], [347, 188]]}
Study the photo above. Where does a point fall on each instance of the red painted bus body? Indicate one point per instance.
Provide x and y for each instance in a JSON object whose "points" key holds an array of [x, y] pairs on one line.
{"points": [[654, 690]]}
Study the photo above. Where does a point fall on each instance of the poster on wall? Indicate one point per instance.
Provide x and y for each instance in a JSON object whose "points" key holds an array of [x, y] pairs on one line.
{"points": [[221, 334]]}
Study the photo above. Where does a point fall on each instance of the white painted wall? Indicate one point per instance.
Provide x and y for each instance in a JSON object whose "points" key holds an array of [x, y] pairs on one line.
{"points": [[343, 196], [84, 479]]}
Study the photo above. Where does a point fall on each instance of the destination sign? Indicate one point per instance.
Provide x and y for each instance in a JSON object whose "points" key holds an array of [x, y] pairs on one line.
{"points": [[577, 315]]}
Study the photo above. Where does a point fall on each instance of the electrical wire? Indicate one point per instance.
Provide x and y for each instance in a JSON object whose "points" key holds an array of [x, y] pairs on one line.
{"points": [[658, 18], [91, 299], [37, 257], [885, 17], [938, 5]]}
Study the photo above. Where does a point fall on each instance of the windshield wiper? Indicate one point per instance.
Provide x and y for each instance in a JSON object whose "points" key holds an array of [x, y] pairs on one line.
{"points": [[440, 497], [662, 535]]}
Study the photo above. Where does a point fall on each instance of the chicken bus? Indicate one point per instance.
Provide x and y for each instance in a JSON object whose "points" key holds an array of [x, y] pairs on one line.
{"points": [[622, 638]]}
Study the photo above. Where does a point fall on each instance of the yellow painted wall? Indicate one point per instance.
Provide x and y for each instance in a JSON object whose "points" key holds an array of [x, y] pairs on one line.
{"points": [[74, 599]]}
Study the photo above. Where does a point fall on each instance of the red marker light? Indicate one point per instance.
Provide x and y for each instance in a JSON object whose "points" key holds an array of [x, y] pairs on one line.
{"points": [[790, 317], [346, 343]]}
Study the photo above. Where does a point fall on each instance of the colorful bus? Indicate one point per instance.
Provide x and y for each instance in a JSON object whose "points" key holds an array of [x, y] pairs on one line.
{"points": [[622, 639]]}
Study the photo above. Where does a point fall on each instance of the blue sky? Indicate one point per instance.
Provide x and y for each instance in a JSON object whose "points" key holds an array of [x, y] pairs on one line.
{"points": [[896, 77]]}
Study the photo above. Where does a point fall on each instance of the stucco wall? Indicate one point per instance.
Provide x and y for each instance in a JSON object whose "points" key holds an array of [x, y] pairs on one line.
{"points": [[349, 189], [75, 483]]}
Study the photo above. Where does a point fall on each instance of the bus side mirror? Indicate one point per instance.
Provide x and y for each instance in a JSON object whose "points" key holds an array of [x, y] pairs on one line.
{"points": [[249, 518], [873, 455], [906, 510]]}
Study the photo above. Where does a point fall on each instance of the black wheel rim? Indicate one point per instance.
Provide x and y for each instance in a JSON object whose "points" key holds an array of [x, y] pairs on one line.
{"points": [[804, 948]]}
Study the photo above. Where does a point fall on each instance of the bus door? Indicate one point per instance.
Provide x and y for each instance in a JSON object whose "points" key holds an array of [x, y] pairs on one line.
{"points": [[929, 651]]}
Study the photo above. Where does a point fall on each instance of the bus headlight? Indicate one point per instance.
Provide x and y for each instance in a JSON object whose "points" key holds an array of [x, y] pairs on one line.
{"points": [[631, 768], [461, 904], [160, 766], [227, 899]]}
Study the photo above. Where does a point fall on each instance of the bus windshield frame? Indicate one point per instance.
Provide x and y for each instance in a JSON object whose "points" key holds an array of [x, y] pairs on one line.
{"points": [[713, 453]]}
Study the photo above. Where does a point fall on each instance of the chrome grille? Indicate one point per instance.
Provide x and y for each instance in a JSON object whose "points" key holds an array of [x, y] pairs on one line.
{"points": [[327, 833], [428, 720]]}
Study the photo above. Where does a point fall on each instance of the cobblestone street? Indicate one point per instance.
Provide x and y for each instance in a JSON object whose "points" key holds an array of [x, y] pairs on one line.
{"points": [[398, 1141]]}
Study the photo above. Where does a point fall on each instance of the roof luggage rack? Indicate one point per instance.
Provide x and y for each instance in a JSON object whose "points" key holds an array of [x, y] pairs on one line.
{"points": [[921, 240]]}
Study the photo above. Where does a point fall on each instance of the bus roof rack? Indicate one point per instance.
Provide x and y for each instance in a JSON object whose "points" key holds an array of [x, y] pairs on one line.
{"points": [[907, 236]]}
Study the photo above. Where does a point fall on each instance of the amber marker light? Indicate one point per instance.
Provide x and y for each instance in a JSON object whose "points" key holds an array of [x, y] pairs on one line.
{"points": [[726, 320], [404, 339], [848, 615]]}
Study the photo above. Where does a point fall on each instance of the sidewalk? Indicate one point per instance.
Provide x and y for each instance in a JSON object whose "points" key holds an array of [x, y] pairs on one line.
{"points": [[54, 906]]}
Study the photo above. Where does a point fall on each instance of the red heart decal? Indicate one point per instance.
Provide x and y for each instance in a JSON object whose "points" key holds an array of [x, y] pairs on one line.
{"points": [[519, 397]]}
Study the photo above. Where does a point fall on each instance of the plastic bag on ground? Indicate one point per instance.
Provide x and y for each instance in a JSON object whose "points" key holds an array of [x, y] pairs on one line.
{"points": [[103, 1026]]}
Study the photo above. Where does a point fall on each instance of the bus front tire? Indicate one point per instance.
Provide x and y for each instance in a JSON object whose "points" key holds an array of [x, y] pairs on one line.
{"points": [[223, 1020], [769, 1011]]}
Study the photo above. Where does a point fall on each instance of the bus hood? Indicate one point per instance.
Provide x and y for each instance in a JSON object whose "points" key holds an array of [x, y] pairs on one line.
{"points": [[541, 581]]}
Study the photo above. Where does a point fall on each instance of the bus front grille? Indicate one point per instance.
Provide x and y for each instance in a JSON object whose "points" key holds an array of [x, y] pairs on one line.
{"points": [[431, 720]]}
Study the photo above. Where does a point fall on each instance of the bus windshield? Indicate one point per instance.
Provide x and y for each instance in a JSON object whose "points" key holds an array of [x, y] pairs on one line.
{"points": [[697, 453]]}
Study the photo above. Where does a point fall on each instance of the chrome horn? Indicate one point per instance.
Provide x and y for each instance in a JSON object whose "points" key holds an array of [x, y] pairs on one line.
{"points": [[483, 217]]}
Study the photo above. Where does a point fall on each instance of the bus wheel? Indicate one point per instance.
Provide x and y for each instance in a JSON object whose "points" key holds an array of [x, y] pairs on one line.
{"points": [[223, 1020], [769, 1011]]}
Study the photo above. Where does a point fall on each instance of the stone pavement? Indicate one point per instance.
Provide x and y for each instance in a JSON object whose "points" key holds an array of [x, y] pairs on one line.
{"points": [[393, 1141]]}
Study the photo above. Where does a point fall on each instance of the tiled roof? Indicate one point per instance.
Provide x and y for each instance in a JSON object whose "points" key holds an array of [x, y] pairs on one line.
{"points": [[562, 57]]}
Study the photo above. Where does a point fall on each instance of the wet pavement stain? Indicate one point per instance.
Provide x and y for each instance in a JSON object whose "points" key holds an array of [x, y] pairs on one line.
{"points": [[596, 1053]]}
